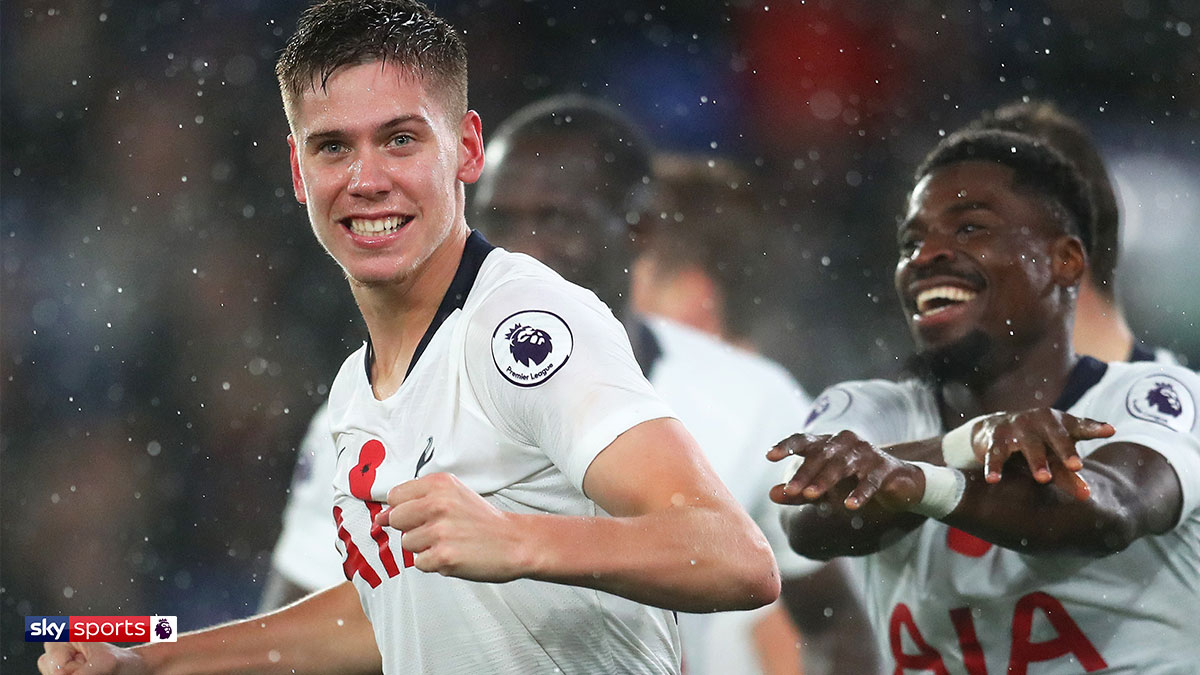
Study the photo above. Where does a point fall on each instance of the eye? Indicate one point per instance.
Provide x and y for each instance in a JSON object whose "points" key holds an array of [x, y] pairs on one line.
{"points": [[908, 243], [967, 229], [400, 140], [331, 148]]}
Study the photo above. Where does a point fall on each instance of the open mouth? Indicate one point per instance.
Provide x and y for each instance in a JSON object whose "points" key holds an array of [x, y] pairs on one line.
{"points": [[938, 299], [376, 227]]}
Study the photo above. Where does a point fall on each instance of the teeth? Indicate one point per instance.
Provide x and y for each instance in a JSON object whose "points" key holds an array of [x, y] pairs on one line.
{"points": [[951, 294], [364, 226]]}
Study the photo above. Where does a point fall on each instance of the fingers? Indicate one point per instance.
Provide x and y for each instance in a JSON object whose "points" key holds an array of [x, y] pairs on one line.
{"points": [[59, 658], [1073, 484], [1084, 429], [796, 444], [1046, 438], [823, 463], [1011, 439], [408, 502]]}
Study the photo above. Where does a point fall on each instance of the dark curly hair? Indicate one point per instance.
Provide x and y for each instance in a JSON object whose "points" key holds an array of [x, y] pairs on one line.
{"points": [[1037, 168], [1044, 121]]}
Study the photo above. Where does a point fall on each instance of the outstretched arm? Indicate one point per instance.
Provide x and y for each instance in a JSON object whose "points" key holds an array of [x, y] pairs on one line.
{"points": [[326, 632], [857, 497], [677, 538]]}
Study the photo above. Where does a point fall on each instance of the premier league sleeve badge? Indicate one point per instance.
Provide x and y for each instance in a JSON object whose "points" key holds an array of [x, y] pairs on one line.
{"points": [[529, 347], [1164, 400]]}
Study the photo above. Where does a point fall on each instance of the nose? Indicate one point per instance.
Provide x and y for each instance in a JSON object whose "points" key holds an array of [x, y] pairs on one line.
{"points": [[932, 248], [369, 177]]}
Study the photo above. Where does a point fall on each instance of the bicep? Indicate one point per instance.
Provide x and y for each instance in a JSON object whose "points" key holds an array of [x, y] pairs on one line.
{"points": [[652, 466], [1142, 482]]}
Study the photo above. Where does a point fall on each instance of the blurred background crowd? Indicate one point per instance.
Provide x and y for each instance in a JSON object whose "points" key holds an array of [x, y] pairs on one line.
{"points": [[170, 324]]}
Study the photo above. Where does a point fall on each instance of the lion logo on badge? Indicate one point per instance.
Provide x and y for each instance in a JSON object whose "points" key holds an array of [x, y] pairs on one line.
{"points": [[1163, 397], [531, 346]]}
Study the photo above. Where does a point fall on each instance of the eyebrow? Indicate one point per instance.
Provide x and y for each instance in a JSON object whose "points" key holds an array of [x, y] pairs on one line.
{"points": [[336, 134], [957, 207]]}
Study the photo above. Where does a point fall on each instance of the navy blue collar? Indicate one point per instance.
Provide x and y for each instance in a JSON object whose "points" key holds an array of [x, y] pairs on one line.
{"points": [[1141, 353], [1086, 373], [646, 348], [474, 253]]}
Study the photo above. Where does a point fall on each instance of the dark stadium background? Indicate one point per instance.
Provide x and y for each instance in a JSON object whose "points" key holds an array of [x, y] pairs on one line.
{"points": [[169, 323]]}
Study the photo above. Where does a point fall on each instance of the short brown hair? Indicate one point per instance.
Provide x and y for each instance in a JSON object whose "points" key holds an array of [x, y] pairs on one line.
{"points": [[338, 33]]}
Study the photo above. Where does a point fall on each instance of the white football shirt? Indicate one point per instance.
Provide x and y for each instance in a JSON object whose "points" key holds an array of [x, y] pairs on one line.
{"points": [[944, 601], [521, 381]]}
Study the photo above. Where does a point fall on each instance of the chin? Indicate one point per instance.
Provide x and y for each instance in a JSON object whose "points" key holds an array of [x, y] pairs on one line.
{"points": [[959, 360]]}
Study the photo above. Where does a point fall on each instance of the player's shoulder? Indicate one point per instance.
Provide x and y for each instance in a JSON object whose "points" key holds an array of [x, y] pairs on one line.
{"points": [[871, 397], [526, 320], [1164, 393], [511, 282]]}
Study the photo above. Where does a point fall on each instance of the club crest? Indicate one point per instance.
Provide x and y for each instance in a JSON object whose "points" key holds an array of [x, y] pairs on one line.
{"points": [[530, 346], [1162, 399]]}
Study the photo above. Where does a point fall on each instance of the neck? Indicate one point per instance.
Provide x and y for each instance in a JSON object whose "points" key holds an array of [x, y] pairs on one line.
{"points": [[1032, 377], [1100, 327], [398, 314]]}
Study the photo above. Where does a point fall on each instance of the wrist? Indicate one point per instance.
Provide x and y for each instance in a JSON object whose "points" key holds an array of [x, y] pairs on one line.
{"points": [[528, 549], [944, 489], [958, 451]]}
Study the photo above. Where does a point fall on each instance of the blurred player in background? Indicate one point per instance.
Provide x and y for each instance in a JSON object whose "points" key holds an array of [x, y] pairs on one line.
{"points": [[705, 260], [1078, 555], [495, 433], [1100, 326], [566, 184]]}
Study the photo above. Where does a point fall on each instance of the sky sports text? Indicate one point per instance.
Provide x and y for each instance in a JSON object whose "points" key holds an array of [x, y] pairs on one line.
{"points": [[101, 628]]}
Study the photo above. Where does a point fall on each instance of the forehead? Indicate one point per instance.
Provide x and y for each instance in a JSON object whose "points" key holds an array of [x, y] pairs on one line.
{"points": [[971, 185], [365, 95]]}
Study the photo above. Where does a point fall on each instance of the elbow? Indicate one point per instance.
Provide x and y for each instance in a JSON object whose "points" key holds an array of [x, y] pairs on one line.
{"points": [[1114, 536], [760, 584], [748, 574]]}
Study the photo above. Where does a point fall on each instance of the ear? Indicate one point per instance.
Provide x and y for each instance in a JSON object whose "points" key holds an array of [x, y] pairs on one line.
{"points": [[297, 180], [470, 147], [1070, 260]]}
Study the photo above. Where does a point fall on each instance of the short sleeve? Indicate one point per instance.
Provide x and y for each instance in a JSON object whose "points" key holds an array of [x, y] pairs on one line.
{"points": [[305, 553], [553, 369], [1155, 407]]}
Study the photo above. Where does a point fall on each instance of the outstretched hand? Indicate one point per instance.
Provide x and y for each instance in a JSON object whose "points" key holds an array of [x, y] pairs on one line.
{"points": [[829, 460], [1045, 437]]}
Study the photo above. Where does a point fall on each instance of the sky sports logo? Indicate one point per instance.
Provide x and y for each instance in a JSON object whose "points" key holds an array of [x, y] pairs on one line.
{"points": [[101, 628]]}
